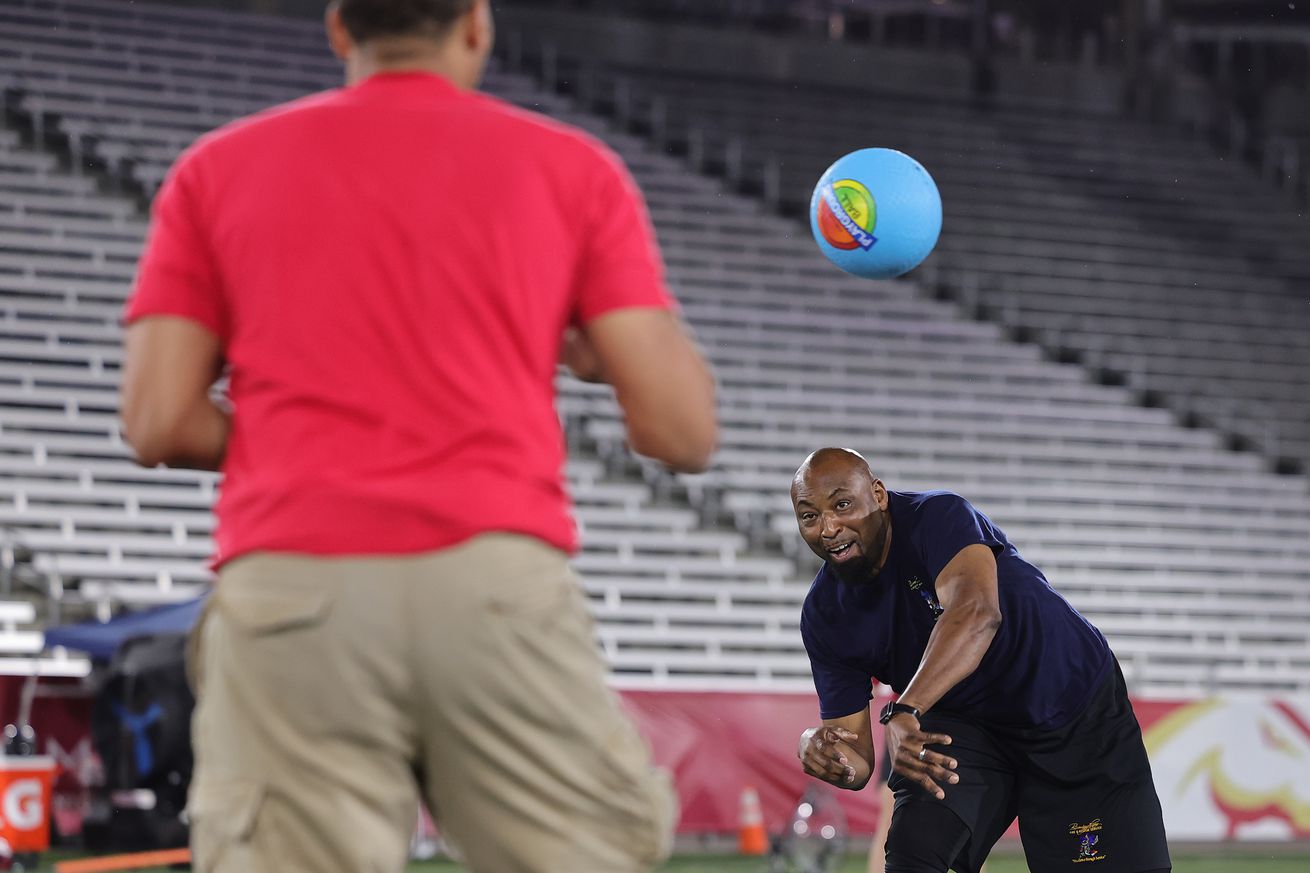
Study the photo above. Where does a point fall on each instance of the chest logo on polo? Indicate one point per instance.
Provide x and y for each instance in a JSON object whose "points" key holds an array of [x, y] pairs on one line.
{"points": [[1089, 841], [929, 596]]}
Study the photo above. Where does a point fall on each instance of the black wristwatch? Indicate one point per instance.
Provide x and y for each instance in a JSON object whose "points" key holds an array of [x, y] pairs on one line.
{"points": [[893, 708]]}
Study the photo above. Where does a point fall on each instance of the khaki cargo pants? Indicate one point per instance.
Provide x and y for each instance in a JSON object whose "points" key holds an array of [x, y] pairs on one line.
{"points": [[331, 692]]}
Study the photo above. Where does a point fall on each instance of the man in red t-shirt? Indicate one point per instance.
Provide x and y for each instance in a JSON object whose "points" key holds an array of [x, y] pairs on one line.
{"points": [[390, 272]]}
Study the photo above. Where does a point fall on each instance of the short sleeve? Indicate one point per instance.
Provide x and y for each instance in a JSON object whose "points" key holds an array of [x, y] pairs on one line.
{"points": [[842, 688], [947, 524], [177, 274], [620, 264]]}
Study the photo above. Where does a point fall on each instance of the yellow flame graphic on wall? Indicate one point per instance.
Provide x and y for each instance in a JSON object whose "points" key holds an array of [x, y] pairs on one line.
{"points": [[1222, 759]]}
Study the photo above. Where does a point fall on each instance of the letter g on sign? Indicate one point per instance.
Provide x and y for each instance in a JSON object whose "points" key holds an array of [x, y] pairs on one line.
{"points": [[22, 805]]}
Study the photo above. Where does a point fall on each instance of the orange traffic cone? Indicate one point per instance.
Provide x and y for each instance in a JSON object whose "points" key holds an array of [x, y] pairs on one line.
{"points": [[751, 838]]}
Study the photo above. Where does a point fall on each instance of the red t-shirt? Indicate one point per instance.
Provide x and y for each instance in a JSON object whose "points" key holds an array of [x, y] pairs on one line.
{"points": [[390, 268]]}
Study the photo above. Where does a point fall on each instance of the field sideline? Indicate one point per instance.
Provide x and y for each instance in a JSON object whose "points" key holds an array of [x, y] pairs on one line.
{"points": [[1000, 864], [856, 864]]}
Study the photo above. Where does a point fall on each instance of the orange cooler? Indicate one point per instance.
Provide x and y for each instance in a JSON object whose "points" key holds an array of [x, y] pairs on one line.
{"points": [[25, 785]]}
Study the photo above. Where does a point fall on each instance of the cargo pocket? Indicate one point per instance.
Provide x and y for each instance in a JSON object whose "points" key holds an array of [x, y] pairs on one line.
{"points": [[223, 819], [642, 802]]}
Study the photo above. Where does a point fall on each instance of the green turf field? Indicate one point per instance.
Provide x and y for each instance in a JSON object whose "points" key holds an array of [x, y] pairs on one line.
{"points": [[1010, 864], [723, 864], [1003, 864]]}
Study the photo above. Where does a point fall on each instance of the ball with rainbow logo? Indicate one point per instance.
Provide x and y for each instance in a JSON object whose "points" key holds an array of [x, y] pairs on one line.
{"points": [[876, 213]]}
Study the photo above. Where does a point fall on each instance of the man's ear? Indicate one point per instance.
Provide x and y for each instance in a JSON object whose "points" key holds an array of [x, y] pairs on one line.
{"points": [[879, 493], [338, 37], [478, 29]]}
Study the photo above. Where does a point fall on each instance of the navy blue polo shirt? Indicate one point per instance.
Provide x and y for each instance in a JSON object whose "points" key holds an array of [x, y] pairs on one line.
{"points": [[1042, 667]]}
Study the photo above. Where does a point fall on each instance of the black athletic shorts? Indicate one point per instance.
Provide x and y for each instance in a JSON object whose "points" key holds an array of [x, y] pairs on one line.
{"points": [[1083, 793]]}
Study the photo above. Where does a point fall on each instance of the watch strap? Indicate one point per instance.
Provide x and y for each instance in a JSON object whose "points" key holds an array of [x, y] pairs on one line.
{"points": [[894, 708]]}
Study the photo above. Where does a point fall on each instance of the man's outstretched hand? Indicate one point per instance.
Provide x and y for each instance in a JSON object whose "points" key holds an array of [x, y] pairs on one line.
{"points": [[826, 753], [905, 742]]}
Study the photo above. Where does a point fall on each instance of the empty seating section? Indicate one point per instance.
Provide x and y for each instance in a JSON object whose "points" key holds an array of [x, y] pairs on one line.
{"points": [[133, 91], [1138, 250], [22, 645], [1191, 557], [144, 83]]}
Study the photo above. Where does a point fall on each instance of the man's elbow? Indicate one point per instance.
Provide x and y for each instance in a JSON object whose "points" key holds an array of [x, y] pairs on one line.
{"points": [[699, 448], [149, 448], [151, 436], [683, 450]]}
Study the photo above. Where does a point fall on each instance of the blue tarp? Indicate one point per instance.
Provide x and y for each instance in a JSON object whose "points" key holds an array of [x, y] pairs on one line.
{"points": [[101, 640]]}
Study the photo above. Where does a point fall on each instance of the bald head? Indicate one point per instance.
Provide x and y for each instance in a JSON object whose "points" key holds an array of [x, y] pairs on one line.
{"points": [[841, 509], [831, 460]]}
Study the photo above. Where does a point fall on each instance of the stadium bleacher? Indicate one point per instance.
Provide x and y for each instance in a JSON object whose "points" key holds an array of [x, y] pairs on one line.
{"points": [[1189, 555], [1135, 250]]}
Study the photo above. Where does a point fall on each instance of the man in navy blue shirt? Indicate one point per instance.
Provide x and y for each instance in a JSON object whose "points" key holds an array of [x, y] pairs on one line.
{"points": [[1010, 702]]}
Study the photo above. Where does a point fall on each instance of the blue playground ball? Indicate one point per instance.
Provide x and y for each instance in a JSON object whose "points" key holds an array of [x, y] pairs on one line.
{"points": [[876, 213]]}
